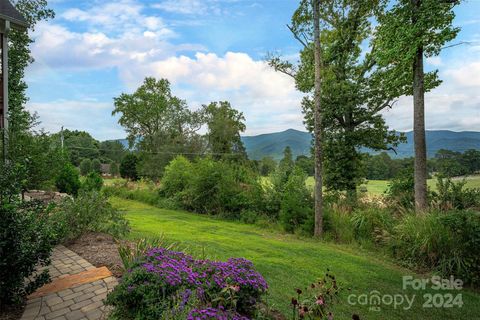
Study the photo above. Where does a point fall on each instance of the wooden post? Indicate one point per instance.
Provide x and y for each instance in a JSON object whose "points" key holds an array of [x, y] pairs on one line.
{"points": [[5, 29]]}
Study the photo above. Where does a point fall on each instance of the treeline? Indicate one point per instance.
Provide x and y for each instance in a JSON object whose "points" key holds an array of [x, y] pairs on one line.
{"points": [[446, 163]]}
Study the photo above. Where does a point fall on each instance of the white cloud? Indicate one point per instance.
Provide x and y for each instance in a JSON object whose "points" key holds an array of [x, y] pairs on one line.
{"points": [[90, 116], [189, 7], [467, 75]]}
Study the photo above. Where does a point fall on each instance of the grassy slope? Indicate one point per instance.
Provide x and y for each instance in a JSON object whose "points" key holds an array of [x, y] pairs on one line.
{"points": [[288, 262]]}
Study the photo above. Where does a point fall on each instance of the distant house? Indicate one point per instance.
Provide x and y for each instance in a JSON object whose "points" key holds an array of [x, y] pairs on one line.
{"points": [[105, 169]]}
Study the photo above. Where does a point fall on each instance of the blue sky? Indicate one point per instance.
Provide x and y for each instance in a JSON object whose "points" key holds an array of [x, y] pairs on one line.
{"points": [[210, 50]]}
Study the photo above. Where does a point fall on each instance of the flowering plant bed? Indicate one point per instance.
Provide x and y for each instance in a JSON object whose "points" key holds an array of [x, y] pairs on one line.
{"points": [[173, 285]]}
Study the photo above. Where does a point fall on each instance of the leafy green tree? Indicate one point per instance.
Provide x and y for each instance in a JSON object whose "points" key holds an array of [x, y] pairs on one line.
{"points": [[93, 182], [68, 180], [112, 150], [352, 94], [449, 163], [471, 160], [114, 170], [267, 166], [96, 166], [408, 32], [85, 167], [159, 124], [296, 204], [224, 127], [79, 145], [128, 167], [177, 176], [307, 164]]}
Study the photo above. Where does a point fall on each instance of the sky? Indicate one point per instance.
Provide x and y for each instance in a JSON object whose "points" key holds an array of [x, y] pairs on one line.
{"points": [[210, 50]]}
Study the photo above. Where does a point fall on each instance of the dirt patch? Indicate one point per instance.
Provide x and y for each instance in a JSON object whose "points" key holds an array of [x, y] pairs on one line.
{"points": [[12, 312], [99, 249]]}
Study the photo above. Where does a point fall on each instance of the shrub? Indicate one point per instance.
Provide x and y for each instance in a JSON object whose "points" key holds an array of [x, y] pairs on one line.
{"points": [[337, 225], [96, 166], [93, 182], [296, 204], [177, 176], [68, 180], [164, 280], [128, 167], [26, 241], [85, 167], [373, 224], [445, 242], [401, 191], [451, 195], [220, 187], [90, 211]]}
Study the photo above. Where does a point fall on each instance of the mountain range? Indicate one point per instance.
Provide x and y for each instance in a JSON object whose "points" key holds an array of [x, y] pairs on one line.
{"points": [[273, 144]]}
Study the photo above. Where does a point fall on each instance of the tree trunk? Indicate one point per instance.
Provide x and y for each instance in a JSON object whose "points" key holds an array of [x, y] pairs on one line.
{"points": [[419, 127], [318, 125]]}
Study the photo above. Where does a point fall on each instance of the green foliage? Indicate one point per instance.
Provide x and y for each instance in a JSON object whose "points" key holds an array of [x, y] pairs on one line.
{"points": [[177, 177], [68, 180], [450, 163], [451, 195], [114, 169], [159, 124], [90, 211], [79, 145], [224, 127], [296, 204], [445, 242], [112, 150], [267, 166], [26, 241], [93, 182], [132, 253], [128, 167], [96, 166], [85, 167], [373, 224], [352, 91], [338, 226], [307, 164], [219, 187], [404, 29], [400, 192]]}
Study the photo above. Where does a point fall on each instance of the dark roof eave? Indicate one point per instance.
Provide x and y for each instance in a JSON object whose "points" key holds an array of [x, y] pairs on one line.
{"points": [[15, 23]]}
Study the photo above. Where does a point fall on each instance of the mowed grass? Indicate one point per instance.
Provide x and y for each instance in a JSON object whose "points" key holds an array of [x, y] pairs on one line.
{"points": [[378, 187], [288, 262]]}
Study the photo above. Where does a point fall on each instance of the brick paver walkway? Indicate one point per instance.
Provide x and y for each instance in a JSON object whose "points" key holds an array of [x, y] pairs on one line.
{"points": [[60, 301]]}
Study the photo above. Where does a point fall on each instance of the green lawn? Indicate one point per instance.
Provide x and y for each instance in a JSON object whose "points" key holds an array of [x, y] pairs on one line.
{"points": [[378, 187], [288, 262]]}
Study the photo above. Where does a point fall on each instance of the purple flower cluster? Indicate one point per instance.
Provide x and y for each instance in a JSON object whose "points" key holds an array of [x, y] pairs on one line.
{"points": [[179, 269], [214, 314]]}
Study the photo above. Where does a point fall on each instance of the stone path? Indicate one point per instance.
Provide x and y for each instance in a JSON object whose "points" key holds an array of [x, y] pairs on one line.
{"points": [[76, 292]]}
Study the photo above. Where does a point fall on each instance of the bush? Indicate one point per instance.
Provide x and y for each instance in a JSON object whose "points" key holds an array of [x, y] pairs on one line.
{"points": [[337, 225], [297, 203], [85, 167], [401, 191], [220, 187], [90, 211], [445, 242], [176, 177], [93, 182], [96, 166], [26, 241], [373, 224], [166, 282], [128, 167], [68, 180], [451, 195]]}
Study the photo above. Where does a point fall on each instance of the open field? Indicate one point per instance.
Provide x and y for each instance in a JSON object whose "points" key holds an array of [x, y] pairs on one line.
{"points": [[378, 187], [288, 262]]}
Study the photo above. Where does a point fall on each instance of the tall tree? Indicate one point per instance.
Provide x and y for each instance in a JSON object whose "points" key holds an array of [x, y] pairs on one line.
{"points": [[224, 127], [318, 128], [352, 94], [407, 33], [159, 124]]}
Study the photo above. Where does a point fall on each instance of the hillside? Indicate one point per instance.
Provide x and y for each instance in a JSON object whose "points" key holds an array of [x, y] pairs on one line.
{"points": [[273, 144]]}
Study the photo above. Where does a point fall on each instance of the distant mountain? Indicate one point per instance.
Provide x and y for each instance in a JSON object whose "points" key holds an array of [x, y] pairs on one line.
{"points": [[273, 144]]}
